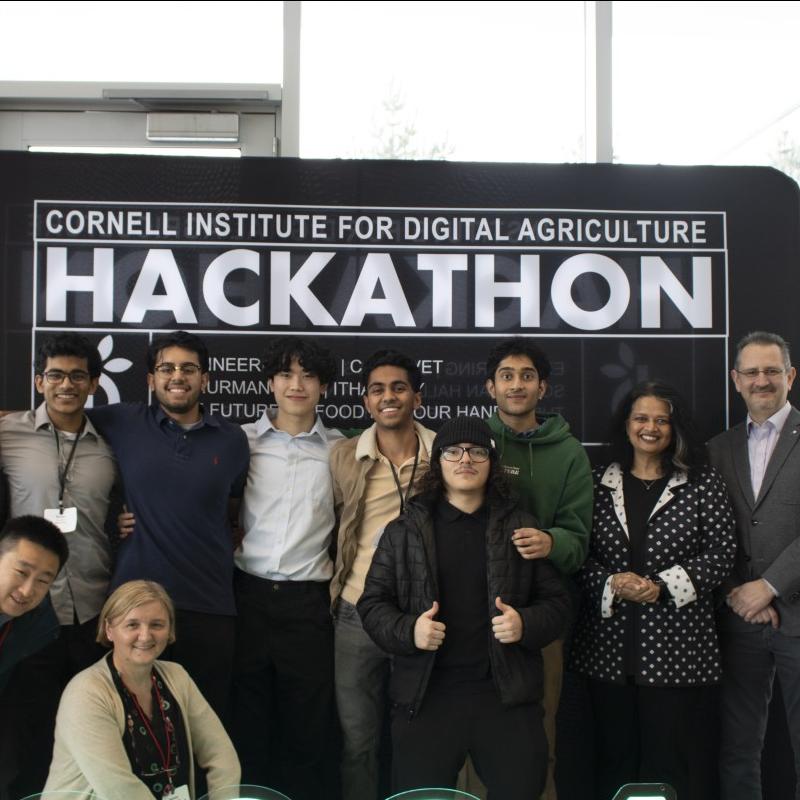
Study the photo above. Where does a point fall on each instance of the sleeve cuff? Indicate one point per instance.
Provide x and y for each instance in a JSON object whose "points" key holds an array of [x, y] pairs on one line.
{"points": [[607, 601], [771, 587], [679, 585]]}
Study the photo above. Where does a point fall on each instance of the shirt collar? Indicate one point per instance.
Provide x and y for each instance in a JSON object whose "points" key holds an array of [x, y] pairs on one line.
{"points": [[777, 420], [449, 513], [265, 424], [41, 419], [205, 418], [367, 446]]}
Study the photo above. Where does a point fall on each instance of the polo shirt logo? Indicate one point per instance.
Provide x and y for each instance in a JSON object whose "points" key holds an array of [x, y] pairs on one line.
{"points": [[509, 469]]}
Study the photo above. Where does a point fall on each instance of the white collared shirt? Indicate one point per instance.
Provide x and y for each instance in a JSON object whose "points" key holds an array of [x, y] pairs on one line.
{"points": [[287, 508], [761, 441]]}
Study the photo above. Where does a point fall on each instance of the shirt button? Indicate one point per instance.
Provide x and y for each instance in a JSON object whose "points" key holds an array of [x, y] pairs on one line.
{"points": [[275, 587], [754, 522]]}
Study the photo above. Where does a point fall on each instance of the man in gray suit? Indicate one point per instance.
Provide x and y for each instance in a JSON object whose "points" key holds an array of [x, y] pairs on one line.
{"points": [[760, 621]]}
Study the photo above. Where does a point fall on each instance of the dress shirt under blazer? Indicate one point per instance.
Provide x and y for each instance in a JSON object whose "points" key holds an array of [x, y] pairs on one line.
{"points": [[768, 527], [690, 543]]}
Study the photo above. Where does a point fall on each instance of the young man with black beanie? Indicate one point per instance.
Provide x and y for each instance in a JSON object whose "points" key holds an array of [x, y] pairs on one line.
{"points": [[465, 618]]}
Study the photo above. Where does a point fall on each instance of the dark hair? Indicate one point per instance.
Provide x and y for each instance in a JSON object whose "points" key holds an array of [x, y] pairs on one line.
{"points": [[517, 346], [685, 452], [188, 341], [68, 344], [391, 358], [764, 338], [37, 530], [312, 357], [497, 487]]}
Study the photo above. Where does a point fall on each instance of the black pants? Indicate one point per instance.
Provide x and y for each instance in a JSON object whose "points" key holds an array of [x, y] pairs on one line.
{"points": [[647, 733], [30, 702], [204, 647], [507, 745], [284, 721]]}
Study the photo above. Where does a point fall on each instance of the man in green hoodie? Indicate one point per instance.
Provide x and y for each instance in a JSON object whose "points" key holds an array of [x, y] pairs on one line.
{"points": [[549, 470]]}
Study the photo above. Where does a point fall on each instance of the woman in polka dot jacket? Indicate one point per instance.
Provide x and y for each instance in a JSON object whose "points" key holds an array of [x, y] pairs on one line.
{"points": [[662, 540]]}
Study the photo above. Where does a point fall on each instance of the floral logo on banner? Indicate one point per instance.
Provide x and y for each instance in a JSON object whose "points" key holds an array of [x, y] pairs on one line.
{"points": [[105, 347], [627, 371]]}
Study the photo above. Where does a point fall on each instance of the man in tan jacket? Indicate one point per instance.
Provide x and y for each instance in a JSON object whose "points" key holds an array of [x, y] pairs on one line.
{"points": [[373, 476]]}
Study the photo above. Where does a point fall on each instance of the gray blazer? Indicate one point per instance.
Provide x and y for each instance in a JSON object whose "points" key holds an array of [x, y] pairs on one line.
{"points": [[768, 527]]}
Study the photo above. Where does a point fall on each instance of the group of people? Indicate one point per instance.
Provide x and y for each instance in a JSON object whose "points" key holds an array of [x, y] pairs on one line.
{"points": [[309, 582]]}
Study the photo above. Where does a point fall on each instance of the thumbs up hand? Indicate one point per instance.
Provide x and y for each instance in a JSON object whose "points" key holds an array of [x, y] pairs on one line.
{"points": [[507, 626], [428, 633]]}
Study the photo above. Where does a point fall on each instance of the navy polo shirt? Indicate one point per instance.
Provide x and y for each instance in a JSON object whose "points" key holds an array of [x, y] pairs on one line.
{"points": [[177, 484]]}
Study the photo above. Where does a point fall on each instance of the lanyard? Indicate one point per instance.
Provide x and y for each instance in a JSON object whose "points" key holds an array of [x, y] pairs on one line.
{"points": [[410, 482], [165, 759], [62, 474], [4, 633]]}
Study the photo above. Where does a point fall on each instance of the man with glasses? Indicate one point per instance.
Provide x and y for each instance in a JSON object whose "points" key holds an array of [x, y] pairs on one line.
{"points": [[58, 467], [180, 467], [760, 620], [373, 477], [465, 618]]}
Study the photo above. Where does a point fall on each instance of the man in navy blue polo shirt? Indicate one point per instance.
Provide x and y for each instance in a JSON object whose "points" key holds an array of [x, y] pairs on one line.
{"points": [[181, 467]]}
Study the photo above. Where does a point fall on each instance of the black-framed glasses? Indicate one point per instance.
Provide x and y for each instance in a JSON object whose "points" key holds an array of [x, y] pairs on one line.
{"points": [[768, 372], [455, 452], [171, 369], [76, 376]]}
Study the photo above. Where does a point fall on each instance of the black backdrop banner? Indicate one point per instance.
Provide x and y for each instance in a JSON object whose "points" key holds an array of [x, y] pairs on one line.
{"points": [[621, 273]]}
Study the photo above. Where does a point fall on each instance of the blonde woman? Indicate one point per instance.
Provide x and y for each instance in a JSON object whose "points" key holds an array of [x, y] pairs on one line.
{"points": [[132, 727]]}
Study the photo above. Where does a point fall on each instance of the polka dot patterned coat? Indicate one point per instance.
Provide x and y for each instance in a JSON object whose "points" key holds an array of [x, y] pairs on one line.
{"points": [[690, 543]]}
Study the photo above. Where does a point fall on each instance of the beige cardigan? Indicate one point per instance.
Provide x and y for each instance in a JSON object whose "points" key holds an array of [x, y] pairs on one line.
{"points": [[89, 756]]}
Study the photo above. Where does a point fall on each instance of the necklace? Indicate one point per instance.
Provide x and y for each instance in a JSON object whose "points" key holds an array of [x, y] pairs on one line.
{"points": [[648, 485]]}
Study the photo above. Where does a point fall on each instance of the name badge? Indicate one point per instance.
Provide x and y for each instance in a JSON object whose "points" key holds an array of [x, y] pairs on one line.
{"points": [[66, 521], [178, 793]]}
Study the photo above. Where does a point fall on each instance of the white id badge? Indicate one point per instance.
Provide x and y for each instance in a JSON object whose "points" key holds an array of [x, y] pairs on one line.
{"points": [[178, 793], [66, 521]]}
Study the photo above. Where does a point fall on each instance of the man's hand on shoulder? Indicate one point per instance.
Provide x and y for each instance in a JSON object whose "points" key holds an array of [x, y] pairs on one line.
{"points": [[532, 543], [126, 522], [750, 599]]}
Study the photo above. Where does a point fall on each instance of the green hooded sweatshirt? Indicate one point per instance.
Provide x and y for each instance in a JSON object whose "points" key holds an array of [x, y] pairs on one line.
{"points": [[550, 472]]}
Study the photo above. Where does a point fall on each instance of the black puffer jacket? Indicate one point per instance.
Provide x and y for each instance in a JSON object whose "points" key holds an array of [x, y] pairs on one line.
{"points": [[401, 585]]}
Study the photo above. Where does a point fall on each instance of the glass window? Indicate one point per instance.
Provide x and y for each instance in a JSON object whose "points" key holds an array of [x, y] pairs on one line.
{"points": [[231, 42], [707, 83], [499, 81]]}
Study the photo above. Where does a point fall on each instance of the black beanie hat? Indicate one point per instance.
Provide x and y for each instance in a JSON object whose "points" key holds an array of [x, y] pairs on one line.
{"points": [[463, 429]]}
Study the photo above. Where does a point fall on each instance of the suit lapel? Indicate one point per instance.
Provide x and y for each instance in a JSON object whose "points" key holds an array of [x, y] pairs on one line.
{"points": [[741, 462], [612, 479], [786, 442], [677, 479]]}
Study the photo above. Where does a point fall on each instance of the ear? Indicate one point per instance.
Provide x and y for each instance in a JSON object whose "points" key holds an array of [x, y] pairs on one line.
{"points": [[93, 384], [542, 388], [323, 388], [38, 382], [417, 400], [203, 381], [490, 388], [735, 379]]}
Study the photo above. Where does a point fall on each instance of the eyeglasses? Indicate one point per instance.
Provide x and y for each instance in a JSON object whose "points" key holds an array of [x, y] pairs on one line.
{"points": [[455, 453], [56, 376], [768, 372], [170, 369]]}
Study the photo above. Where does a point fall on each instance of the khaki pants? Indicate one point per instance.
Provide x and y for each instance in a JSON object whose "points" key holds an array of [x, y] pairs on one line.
{"points": [[553, 661]]}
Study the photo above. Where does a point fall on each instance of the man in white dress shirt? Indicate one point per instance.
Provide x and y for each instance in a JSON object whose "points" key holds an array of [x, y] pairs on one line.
{"points": [[283, 683]]}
